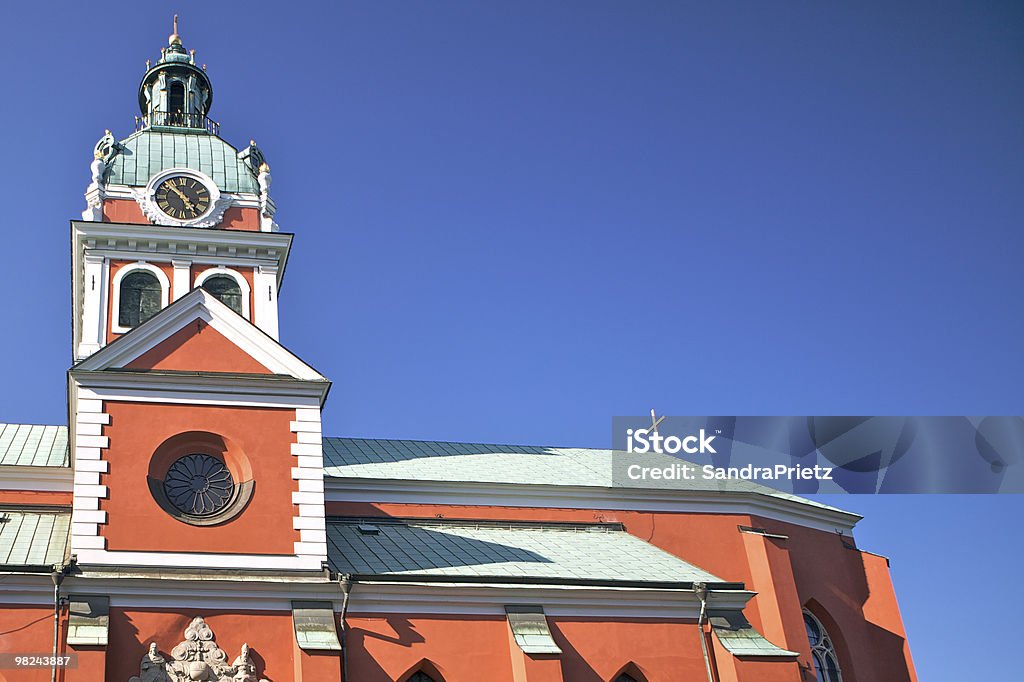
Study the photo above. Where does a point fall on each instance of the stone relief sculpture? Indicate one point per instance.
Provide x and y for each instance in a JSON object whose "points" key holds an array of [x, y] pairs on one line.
{"points": [[196, 659], [107, 148]]}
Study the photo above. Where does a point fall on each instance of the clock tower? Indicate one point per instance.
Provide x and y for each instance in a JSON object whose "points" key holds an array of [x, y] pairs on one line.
{"points": [[195, 435]]}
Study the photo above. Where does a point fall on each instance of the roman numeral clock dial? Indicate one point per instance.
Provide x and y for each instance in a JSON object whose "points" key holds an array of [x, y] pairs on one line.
{"points": [[182, 197]]}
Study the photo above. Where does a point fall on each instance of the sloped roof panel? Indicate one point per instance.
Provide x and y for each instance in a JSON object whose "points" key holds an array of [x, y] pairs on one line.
{"points": [[33, 538], [511, 464], [33, 445], [490, 550]]}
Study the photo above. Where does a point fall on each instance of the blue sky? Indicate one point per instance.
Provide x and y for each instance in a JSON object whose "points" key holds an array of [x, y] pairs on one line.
{"points": [[516, 220]]}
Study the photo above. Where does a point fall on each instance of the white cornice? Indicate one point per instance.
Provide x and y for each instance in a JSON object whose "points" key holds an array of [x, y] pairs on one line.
{"points": [[354, 489], [371, 597], [182, 241], [367, 597], [199, 389], [37, 479]]}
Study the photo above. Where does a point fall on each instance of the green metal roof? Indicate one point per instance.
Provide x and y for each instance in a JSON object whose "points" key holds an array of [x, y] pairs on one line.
{"points": [[33, 538], [412, 460], [494, 550], [740, 638], [33, 445], [152, 150]]}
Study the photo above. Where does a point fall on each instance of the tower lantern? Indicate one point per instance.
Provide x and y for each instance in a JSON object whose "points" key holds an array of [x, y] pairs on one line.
{"points": [[175, 92]]}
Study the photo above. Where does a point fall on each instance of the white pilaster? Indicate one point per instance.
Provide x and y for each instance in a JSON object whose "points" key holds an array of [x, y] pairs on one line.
{"points": [[94, 299], [182, 282], [265, 295]]}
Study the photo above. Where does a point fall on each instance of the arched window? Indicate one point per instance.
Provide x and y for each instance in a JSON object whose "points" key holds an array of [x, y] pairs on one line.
{"points": [[176, 97], [826, 662], [225, 289], [629, 673], [140, 298], [421, 677]]}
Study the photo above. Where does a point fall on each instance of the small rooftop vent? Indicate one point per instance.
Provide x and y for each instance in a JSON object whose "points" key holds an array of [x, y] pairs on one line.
{"points": [[368, 529]]}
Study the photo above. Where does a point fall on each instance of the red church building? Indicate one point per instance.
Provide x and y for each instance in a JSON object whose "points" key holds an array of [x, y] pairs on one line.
{"points": [[191, 521]]}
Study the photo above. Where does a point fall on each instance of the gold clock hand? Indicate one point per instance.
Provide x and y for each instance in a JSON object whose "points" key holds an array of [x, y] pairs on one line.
{"points": [[184, 198]]}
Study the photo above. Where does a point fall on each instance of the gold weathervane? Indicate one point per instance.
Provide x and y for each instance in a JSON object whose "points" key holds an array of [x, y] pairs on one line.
{"points": [[174, 38]]}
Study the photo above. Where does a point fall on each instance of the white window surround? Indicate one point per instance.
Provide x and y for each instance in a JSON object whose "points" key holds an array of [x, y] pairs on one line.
{"points": [[243, 285], [165, 290]]}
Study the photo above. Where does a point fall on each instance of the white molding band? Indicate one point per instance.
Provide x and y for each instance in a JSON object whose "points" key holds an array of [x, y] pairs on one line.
{"points": [[36, 478], [251, 593], [371, 598], [144, 388], [298, 562]]}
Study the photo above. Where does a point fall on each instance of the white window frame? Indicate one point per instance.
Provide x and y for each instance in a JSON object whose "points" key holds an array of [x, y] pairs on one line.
{"points": [[115, 284], [243, 285]]}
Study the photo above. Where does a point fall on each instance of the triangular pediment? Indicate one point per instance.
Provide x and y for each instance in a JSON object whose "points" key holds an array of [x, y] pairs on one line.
{"points": [[198, 333]]}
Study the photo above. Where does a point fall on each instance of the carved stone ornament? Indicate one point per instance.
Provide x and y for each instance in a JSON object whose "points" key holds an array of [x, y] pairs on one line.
{"points": [[146, 198], [196, 659]]}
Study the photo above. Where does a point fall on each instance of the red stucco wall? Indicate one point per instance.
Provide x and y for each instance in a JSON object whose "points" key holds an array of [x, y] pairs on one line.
{"points": [[198, 347], [128, 211], [850, 591], [136, 522]]}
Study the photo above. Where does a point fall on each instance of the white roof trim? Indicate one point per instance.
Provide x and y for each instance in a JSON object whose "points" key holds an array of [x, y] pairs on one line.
{"points": [[403, 491], [269, 594], [199, 304]]}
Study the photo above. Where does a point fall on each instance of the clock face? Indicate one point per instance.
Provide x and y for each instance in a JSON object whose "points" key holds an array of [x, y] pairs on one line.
{"points": [[182, 197]]}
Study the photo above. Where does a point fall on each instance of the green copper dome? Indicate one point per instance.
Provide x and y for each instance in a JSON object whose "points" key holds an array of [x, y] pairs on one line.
{"points": [[174, 130], [150, 151]]}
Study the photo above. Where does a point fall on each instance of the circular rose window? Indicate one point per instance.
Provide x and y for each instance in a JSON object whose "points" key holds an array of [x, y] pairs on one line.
{"points": [[199, 485]]}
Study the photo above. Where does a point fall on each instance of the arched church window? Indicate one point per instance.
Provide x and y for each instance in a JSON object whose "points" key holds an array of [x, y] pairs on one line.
{"points": [[225, 289], [823, 652], [422, 677], [625, 678], [176, 99], [139, 300]]}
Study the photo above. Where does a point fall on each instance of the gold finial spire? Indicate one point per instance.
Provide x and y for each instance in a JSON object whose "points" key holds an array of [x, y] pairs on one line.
{"points": [[174, 38]]}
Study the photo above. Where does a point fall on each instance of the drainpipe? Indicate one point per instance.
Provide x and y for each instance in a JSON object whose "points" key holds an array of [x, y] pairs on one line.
{"points": [[345, 583], [701, 590], [58, 578]]}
